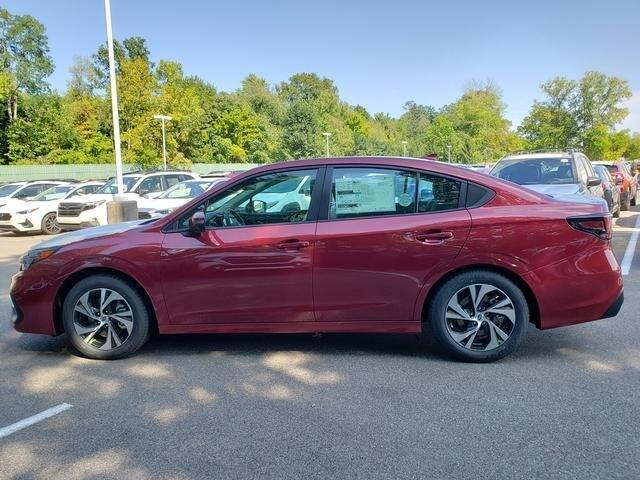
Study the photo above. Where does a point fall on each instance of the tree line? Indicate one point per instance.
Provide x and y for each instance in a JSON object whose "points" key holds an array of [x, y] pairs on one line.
{"points": [[261, 123]]}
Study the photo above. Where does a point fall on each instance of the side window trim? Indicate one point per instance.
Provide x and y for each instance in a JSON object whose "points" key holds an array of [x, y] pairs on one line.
{"points": [[328, 178]]}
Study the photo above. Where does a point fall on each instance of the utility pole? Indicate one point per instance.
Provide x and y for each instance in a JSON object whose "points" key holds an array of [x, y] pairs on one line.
{"points": [[326, 136], [163, 118], [114, 99], [404, 148], [449, 148]]}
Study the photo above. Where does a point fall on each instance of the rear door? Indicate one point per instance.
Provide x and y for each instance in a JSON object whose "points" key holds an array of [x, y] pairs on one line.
{"points": [[384, 232]]}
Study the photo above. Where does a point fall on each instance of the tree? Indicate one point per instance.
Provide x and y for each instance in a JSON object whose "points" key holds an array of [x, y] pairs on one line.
{"points": [[24, 58], [577, 113]]}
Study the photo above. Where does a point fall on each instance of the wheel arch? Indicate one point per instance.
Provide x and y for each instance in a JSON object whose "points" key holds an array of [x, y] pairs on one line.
{"points": [[75, 277], [532, 302]]}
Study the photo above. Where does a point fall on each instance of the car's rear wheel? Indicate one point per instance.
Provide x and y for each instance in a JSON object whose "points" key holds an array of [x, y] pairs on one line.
{"points": [[634, 199], [105, 318], [478, 316], [50, 224]]}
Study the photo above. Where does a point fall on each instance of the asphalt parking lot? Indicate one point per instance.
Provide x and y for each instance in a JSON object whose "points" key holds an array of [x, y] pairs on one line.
{"points": [[565, 406]]}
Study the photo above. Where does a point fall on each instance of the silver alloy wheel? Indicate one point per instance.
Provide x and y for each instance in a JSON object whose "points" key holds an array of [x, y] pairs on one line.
{"points": [[51, 224], [480, 317], [103, 318]]}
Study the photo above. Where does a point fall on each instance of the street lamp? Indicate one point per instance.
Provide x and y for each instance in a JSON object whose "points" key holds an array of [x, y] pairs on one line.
{"points": [[163, 118], [404, 148], [114, 99], [449, 148], [326, 136]]}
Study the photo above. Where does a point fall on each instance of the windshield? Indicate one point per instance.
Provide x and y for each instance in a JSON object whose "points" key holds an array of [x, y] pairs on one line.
{"points": [[7, 190], [111, 187], [536, 171], [53, 193], [189, 189]]}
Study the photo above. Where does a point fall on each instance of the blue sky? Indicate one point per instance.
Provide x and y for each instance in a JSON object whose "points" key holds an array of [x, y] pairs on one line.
{"points": [[380, 54]]}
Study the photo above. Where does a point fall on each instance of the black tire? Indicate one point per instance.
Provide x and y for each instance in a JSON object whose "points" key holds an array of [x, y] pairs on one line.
{"points": [[49, 225], [140, 331], [634, 199], [437, 324], [626, 204], [616, 212]]}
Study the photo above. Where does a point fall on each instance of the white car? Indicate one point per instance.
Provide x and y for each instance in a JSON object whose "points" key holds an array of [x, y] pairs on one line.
{"points": [[92, 210], [17, 192], [39, 213], [290, 196], [175, 197]]}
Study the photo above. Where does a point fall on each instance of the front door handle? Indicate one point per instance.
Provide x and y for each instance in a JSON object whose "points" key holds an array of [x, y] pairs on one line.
{"points": [[434, 238], [293, 244]]}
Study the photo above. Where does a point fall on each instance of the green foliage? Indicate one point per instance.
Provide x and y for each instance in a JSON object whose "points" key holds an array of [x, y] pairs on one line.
{"points": [[262, 123]]}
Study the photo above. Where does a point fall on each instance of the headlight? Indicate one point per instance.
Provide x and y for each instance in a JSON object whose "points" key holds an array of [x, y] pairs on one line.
{"points": [[25, 212], [89, 206], [35, 255]]}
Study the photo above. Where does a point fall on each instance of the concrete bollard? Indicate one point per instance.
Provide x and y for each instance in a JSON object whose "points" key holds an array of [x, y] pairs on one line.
{"points": [[122, 211]]}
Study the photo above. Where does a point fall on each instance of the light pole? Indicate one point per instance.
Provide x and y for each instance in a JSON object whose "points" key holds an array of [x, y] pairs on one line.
{"points": [[163, 118], [114, 99], [449, 148], [404, 148], [326, 136]]}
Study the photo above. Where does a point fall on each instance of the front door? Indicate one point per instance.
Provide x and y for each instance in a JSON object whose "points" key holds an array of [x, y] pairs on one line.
{"points": [[382, 240], [253, 263]]}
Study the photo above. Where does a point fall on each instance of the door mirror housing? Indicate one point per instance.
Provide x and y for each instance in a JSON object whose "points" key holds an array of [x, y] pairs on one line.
{"points": [[196, 224], [593, 181], [256, 206], [618, 180]]}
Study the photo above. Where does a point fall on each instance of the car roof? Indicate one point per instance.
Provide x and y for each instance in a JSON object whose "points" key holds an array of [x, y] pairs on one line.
{"points": [[434, 166], [536, 156]]}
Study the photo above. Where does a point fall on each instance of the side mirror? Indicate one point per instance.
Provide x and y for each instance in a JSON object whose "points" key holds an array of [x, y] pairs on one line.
{"points": [[143, 192], [196, 224], [256, 206], [593, 181], [618, 180]]}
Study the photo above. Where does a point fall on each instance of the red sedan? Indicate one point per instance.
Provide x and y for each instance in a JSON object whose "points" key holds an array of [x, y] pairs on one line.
{"points": [[392, 245]]}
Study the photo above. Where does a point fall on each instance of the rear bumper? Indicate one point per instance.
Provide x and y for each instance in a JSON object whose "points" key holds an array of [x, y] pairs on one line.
{"points": [[582, 288]]}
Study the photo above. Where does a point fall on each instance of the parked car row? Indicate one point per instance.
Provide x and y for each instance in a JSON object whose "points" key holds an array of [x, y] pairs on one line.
{"points": [[32, 206], [569, 175], [54, 206]]}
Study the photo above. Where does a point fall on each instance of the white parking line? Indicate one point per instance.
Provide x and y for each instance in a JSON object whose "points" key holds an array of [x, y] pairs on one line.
{"points": [[27, 422], [625, 265]]}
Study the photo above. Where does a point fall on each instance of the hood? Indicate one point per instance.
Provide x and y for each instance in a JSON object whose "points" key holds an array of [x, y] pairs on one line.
{"points": [[29, 205], [10, 203], [555, 190], [89, 233]]}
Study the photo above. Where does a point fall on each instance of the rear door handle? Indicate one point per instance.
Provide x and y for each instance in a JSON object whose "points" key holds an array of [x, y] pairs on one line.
{"points": [[293, 244], [434, 238]]}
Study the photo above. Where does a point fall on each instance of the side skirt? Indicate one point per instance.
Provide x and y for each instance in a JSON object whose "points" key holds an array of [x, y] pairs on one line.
{"points": [[305, 327]]}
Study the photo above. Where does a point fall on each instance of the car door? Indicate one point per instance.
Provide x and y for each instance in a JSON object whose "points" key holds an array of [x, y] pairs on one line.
{"points": [[382, 239], [250, 265]]}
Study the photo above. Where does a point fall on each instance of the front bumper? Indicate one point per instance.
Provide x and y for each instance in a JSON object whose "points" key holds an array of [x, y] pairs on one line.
{"points": [[18, 223], [68, 227]]}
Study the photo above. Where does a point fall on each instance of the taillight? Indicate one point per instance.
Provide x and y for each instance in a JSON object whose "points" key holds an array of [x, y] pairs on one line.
{"points": [[598, 225]]}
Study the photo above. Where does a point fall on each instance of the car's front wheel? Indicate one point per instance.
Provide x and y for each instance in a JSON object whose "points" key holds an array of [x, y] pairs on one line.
{"points": [[478, 316], [105, 317], [50, 224]]}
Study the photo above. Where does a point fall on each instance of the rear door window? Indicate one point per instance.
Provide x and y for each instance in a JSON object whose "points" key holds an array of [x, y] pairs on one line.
{"points": [[367, 191]]}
